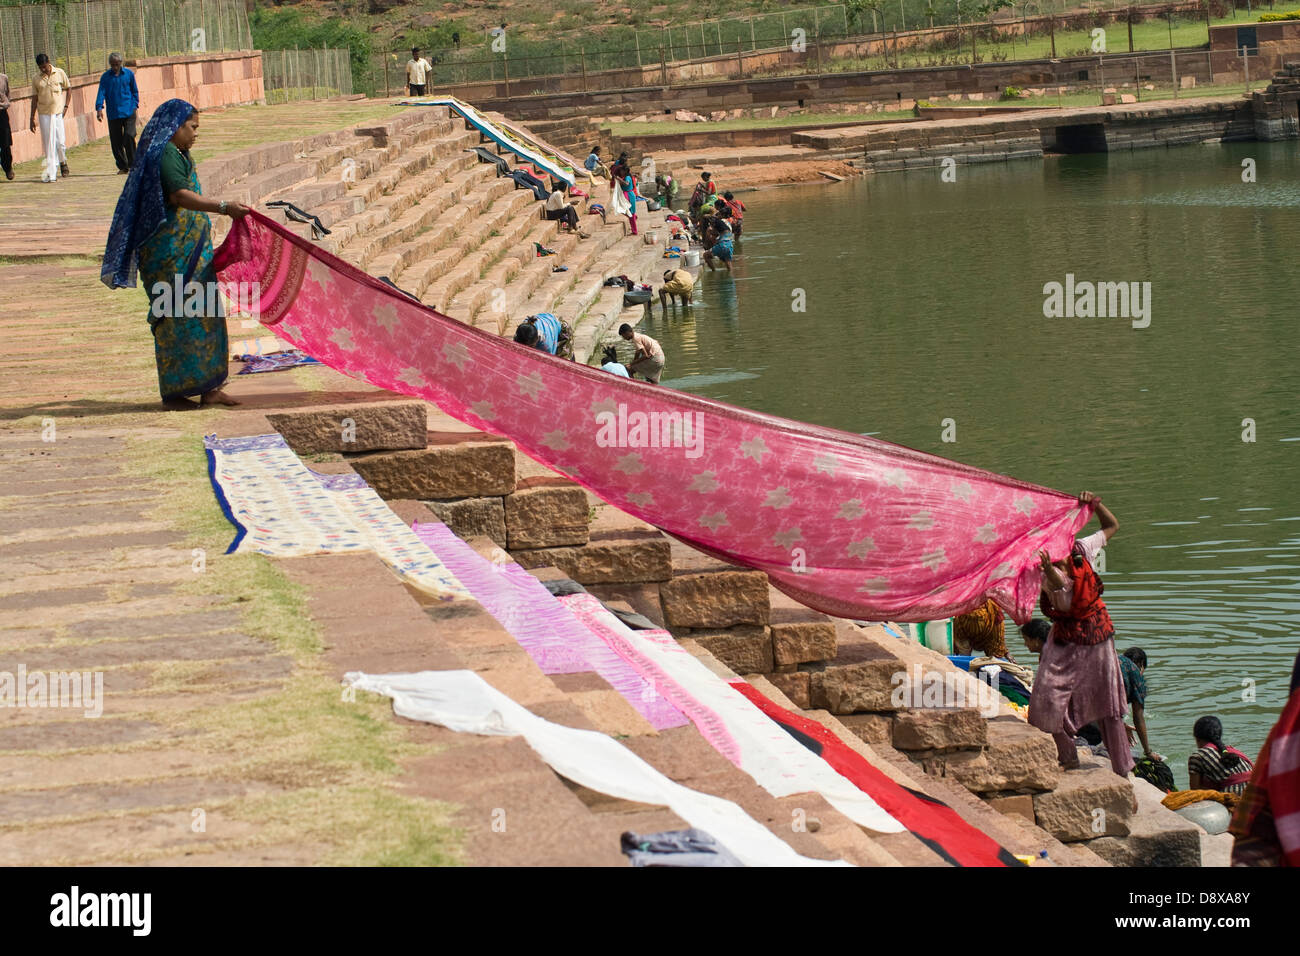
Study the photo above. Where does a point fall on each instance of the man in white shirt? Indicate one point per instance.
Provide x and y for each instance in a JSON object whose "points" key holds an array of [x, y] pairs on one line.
{"points": [[417, 72], [559, 207]]}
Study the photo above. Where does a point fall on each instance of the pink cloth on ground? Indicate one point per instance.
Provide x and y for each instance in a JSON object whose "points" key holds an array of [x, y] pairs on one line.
{"points": [[852, 526]]}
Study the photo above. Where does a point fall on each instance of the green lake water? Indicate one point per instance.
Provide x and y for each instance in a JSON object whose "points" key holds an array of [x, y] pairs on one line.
{"points": [[924, 302]]}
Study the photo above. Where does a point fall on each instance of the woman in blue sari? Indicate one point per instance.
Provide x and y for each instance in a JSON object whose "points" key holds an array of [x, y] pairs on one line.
{"points": [[162, 229]]}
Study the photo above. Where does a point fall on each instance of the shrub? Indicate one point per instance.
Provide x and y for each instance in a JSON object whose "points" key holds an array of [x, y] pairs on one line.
{"points": [[1011, 93], [1271, 17]]}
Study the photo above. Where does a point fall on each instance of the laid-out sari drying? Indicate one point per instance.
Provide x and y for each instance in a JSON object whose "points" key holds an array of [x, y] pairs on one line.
{"points": [[849, 525]]}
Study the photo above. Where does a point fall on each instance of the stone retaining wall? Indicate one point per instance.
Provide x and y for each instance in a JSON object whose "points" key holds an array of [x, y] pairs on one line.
{"points": [[208, 80]]}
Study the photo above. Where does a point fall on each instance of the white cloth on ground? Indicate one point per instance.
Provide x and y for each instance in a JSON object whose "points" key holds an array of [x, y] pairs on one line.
{"points": [[464, 702]]}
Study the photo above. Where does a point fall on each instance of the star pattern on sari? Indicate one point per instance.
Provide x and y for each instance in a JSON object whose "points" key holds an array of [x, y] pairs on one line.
{"points": [[921, 521], [895, 477], [343, 339], [483, 410], [604, 405], [714, 521], [933, 559], [1024, 504], [986, 534], [787, 538], [851, 510], [386, 318], [962, 490], [457, 354], [1003, 570], [630, 464], [412, 377], [755, 448], [291, 330], [826, 464], [862, 547], [777, 498], [642, 498], [705, 483], [531, 384], [556, 440], [874, 586]]}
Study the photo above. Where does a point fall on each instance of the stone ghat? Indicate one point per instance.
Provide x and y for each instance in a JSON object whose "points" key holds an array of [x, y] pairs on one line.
{"points": [[1029, 135], [846, 674], [418, 207]]}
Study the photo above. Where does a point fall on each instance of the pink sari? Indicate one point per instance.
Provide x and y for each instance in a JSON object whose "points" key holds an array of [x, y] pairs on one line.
{"points": [[852, 526]]}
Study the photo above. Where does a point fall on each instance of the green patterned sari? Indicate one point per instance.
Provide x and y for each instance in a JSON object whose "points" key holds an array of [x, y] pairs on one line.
{"points": [[189, 330]]}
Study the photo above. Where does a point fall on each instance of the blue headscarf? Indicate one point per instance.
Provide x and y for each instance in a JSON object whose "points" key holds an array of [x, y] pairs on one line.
{"points": [[142, 207]]}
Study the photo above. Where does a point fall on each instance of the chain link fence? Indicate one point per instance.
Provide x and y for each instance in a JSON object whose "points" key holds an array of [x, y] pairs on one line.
{"points": [[306, 74], [829, 42], [78, 35]]}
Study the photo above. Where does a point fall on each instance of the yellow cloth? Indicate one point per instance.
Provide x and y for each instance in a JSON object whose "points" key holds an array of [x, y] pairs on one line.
{"points": [[1185, 798], [981, 630], [681, 283], [51, 92]]}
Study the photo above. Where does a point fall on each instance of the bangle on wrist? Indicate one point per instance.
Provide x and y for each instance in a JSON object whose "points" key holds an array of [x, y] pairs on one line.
{"points": [[221, 207]]}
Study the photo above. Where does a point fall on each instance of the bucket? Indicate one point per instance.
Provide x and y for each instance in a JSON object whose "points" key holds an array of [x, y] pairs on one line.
{"points": [[691, 258]]}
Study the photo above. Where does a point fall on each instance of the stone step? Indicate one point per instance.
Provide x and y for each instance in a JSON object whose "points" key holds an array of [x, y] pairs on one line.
{"points": [[546, 513], [620, 550], [381, 426], [463, 468], [1086, 803], [799, 634], [1157, 836]]}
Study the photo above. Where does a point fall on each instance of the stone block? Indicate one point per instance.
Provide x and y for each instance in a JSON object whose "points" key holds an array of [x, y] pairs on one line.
{"points": [[713, 599], [1087, 803], [357, 428], [1157, 836], [939, 728], [606, 560], [473, 516], [746, 649], [870, 728], [1018, 805], [795, 686], [1017, 757], [463, 470], [799, 634], [546, 516], [853, 688]]}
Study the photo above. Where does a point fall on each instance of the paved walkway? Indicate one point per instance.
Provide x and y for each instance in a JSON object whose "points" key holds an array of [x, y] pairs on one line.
{"points": [[222, 737]]}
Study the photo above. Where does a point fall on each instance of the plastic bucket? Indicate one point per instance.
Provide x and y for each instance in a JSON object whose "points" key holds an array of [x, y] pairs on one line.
{"points": [[691, 258]]}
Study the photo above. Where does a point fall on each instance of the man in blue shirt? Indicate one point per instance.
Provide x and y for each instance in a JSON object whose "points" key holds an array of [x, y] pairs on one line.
{"points": [[547, 333], [117, 88]]}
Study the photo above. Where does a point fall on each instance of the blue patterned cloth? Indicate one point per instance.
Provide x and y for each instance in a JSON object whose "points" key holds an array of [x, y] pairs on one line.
{"points": [[142, 207]]}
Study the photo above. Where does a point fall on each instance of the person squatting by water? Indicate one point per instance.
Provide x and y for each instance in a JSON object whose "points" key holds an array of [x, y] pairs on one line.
{"points": [[1216, 766], [718, 238], [678, 284], [610, 363], [546, 333], [1079, 678], [161, 228], [649, 359]]}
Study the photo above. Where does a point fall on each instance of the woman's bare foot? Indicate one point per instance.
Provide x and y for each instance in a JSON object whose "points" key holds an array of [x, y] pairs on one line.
{"points": [[217, 397], [1073, 765], [178, 405]]}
